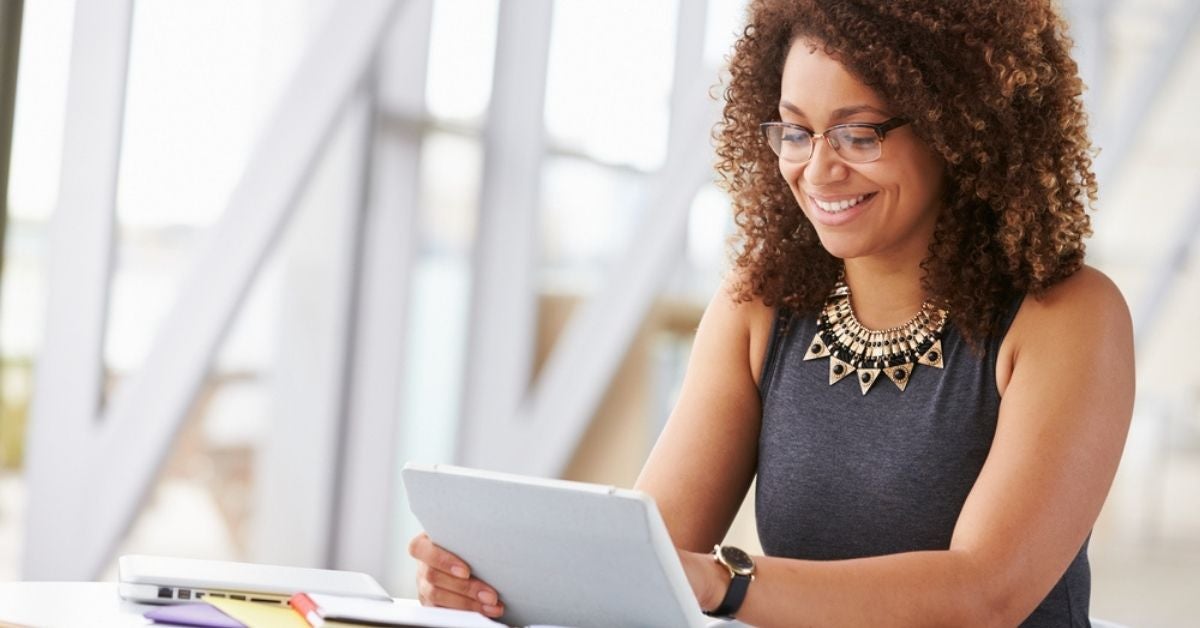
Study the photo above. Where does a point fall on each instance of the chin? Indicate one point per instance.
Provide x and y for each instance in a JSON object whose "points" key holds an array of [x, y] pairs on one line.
{"points": [[839, 247]]}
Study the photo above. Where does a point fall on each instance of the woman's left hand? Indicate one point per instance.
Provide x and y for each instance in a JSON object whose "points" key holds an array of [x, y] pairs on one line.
{"points": [[708, 578]]}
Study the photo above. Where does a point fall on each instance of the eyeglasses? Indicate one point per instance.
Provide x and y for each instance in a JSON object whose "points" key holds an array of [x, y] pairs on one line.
{"points": [[857, 142]]}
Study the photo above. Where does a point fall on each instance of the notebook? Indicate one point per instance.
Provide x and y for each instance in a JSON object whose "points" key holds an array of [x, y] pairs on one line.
{"points": [[198, 614], [319, 609], [558, 552], [166, 580]]}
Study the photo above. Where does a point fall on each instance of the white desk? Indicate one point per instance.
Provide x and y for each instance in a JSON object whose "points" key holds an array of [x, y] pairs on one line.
{"points": [[93, 605], [70, 604], [74, 604]]}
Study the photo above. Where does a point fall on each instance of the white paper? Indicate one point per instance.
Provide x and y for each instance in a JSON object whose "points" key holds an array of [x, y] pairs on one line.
{"points": [[403, 613]]}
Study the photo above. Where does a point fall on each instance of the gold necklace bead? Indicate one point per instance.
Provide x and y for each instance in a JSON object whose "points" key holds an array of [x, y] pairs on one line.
{"points": [[894, 351]]}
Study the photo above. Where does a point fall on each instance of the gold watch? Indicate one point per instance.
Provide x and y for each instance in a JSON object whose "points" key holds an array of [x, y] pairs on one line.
{"points": [[741, 570]]}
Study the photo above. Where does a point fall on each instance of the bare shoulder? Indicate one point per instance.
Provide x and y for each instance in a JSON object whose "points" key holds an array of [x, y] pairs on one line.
{"points": [[1087, 301], [1089, 288], [1080, 319], [753, 317], [749, 310]]}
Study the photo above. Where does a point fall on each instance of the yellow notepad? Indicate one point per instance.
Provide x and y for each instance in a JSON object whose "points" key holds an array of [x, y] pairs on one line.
{"points": [[259, 615]]}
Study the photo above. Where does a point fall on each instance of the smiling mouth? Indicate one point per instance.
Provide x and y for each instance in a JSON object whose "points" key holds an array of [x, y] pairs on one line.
{"points": [[837, 207]]}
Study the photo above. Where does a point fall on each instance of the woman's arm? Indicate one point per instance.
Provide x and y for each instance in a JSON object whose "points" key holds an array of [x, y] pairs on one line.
{"points": [[1067, 378], [698, 471], [705, 457]]}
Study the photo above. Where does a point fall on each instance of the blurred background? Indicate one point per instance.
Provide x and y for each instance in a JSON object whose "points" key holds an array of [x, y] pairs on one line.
{"points": [[259, 253]]}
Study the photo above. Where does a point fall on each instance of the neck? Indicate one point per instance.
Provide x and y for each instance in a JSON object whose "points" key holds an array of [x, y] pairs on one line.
{"points": [[884, 295]]}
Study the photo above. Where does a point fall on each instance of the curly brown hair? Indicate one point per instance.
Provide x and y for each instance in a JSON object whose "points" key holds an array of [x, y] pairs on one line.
{"points": [[988, 85]]}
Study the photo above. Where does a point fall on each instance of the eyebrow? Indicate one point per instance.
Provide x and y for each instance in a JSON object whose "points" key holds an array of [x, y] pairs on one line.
{"points": [[838, 114]]}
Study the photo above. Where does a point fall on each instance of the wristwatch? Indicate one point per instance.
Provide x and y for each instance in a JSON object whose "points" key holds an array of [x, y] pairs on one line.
{"points": [[741, 569]]}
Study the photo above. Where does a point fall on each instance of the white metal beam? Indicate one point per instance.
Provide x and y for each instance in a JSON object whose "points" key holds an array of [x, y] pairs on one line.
{"points": [[690, 81], [70, 367], [365, 518], [690, 78], [308, 376], [148, 409], [504, 290]]}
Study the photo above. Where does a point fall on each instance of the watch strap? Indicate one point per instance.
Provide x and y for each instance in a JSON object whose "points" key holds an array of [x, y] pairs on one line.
{"points": [[734, 596]]}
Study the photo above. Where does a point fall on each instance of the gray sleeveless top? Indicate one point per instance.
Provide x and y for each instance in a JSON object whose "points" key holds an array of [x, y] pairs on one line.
{"points": [[842, 475]]}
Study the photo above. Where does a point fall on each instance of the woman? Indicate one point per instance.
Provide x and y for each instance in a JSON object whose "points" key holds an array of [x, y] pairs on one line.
{"points": [[930, 386]]}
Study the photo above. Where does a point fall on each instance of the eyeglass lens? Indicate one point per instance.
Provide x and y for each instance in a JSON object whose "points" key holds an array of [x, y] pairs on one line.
{"points": [[852, 143]]}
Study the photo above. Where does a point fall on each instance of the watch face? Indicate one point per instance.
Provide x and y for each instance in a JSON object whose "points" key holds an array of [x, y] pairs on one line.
{"points": [[739, 561]]}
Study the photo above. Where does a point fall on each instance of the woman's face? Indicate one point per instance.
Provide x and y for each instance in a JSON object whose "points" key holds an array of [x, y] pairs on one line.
{"points": [[884, 209]]}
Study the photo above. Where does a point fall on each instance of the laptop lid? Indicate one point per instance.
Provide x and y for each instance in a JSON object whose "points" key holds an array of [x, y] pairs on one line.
{"points": [[167, 580], [558, 552]]}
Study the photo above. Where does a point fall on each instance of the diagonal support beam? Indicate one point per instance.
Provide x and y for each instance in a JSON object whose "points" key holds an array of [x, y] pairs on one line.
{"points": [[146, 412]]}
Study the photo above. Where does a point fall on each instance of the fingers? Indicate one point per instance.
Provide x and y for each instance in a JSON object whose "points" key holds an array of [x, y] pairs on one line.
{"points": [[472, 588], [443, 579], [432, 595], [424, 550]]}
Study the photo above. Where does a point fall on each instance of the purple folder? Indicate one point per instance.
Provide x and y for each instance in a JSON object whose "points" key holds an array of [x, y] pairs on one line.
{"points": [[201, 614]]}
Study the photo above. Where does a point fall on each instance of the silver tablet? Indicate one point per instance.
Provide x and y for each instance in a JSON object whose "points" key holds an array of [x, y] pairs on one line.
{"points": [[165, 580], [558, 552]]}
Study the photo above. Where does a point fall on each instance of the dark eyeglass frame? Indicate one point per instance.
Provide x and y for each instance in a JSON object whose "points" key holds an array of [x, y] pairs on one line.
{"points": [[881, 130]]}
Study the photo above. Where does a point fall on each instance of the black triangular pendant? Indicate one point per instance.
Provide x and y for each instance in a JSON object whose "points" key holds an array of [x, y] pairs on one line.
{"points": [[866, 378], [934, 356], [817, 348], [838, 369], [899, 375]]}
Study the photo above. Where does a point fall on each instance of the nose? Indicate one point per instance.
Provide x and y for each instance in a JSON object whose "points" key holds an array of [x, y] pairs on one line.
{"points": [[825, 166]]}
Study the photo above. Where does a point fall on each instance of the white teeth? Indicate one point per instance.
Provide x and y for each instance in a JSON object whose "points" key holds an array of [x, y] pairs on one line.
{"points": [[839, 206]]}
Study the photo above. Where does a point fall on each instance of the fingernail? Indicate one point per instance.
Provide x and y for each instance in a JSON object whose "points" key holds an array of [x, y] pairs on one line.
{"points": [[488, 609], [487, 597], [460, 571]]}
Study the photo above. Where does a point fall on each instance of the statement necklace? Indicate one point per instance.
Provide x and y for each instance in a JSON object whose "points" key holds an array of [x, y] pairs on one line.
{"points": [[894, 352]]}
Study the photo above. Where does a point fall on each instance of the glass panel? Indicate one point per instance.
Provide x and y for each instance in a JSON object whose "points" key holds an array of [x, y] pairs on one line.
{"points": [[725, 21], [609, 81], [193, 111], [589, 213], [40, 102], [451, 167], [439, 307], [461, 50], [710, 223]]}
